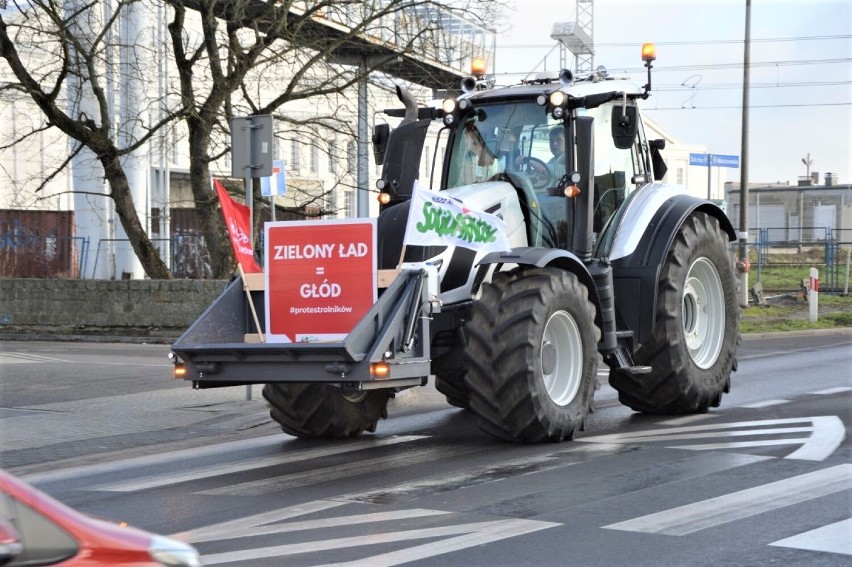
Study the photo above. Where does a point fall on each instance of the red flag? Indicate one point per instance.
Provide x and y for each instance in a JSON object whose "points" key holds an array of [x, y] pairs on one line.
{"points": [[237, 221]]}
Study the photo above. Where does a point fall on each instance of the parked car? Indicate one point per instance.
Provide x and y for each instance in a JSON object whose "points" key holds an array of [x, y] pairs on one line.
{"points": [[36, 529]]}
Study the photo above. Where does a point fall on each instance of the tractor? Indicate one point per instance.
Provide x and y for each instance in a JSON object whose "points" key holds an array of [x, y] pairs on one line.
{"points": [[605, 265]]}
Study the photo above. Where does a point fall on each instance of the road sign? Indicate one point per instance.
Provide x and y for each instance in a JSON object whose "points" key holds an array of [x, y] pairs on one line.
{"points": [[251, 135], [320, 278], [718, 160], [714, 160], [698, 159], [277, 183]]}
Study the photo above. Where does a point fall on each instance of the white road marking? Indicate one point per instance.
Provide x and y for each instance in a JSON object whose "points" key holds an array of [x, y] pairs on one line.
{"points": [[214, 531], [743, 504], [477, 533], [830, 391], [833, 538], [688, 419], [337, 472], [255, 528], [171, 457], [827, 432], [765, 404], [24, 358], [219, 469]]}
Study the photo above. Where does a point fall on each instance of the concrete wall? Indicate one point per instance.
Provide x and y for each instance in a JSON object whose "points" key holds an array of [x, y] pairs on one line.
{"points": [[114, 308]]}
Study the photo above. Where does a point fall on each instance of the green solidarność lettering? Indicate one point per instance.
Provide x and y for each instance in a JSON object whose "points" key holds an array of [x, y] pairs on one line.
{"points": [[445, 223]]}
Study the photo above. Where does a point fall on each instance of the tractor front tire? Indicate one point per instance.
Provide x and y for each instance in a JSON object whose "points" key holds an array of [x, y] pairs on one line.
{"points": [[693, 348], [532, 355], [312, 411], [449, 370]]}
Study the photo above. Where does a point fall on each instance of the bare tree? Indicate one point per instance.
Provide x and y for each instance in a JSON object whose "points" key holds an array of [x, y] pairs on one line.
{"points": [[256, 57], [59, 53], [232, 58]]}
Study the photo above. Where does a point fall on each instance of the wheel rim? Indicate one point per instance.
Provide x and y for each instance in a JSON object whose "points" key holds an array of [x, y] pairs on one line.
{"points": [[703, 313], [561, 358], [354, 397]]}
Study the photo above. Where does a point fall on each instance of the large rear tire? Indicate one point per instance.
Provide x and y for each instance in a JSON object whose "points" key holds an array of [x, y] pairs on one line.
{"points": [[532, 355], [320, 411], [692, 350]]}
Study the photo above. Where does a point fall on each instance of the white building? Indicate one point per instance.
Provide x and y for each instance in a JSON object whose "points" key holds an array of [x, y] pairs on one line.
{"points": [[321, 164]]}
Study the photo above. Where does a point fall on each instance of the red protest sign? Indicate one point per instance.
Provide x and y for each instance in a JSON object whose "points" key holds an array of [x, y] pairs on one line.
{"points": [[320, 278]]}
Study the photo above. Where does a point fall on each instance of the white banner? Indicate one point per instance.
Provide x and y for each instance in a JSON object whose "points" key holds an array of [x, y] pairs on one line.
{"points": [[435, 219]]}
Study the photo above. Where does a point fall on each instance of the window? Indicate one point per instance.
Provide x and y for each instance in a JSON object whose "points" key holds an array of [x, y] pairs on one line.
{"points": [[45, 543], [295, 150], [350, 207], [314, 157], [332, 156], [352, 156]]}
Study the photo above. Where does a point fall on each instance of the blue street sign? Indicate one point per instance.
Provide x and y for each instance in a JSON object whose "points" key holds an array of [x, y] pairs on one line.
{"points": [[698, 159], [724, 161], [715, 160], [277, 183]]}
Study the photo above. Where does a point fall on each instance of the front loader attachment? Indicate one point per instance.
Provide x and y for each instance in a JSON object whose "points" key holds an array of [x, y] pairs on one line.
{"points": [[388, 347]]}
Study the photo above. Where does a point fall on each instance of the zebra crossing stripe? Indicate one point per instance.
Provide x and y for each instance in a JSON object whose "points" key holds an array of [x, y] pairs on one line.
{"points": [[833, 538], [743, 504], [825, 435], [260, 524], [218, 469], [338, 472], [470, 535]]}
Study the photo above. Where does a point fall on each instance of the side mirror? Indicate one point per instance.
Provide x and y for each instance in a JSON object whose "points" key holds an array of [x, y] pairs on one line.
{"points": [[10, 542], [657, 161], [381, 133], [625, 124]]}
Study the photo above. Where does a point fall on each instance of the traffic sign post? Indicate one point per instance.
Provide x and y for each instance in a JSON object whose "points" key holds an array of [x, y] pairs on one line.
{"points": [[251, 153]]}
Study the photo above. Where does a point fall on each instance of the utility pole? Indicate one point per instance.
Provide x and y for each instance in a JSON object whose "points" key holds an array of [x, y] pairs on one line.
{"points": [[742, 262]]}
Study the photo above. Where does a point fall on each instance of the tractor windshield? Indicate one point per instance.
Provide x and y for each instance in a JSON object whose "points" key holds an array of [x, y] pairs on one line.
{"points": [[520, 143], [508, 138]]}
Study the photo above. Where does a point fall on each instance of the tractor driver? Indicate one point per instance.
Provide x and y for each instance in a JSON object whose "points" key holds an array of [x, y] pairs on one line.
{"points": [[557, 148]]}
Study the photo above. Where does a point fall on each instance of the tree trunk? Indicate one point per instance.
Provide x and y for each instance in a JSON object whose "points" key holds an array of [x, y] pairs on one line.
{"points": [[148, 255], [210, 219]]}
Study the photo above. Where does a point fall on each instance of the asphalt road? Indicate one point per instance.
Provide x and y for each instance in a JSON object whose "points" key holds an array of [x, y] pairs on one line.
{"points": [[765, 479]]}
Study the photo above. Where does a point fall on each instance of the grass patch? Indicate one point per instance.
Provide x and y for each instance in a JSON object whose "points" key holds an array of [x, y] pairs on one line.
{"points": [[790, 313]]}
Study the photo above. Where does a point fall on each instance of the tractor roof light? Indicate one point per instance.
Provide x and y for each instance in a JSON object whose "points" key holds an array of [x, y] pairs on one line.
{"points": [[649, 53], [478, 67]]}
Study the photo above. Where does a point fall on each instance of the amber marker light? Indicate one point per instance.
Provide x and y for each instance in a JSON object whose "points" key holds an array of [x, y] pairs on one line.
{"points": [[477, 66], [380, 369], [180, 371], [572, 191], [649, 52], [384, 198]]}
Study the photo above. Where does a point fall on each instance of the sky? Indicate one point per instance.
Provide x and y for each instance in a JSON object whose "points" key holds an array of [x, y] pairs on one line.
{"points": [[801, 73]]}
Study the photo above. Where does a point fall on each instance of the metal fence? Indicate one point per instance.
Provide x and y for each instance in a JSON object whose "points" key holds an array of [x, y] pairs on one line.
{"points": [[827, 249], [65, 257]]}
